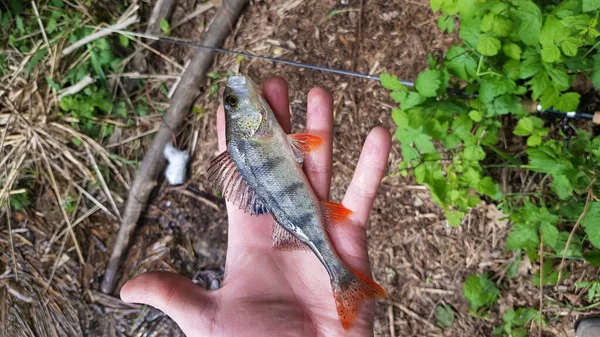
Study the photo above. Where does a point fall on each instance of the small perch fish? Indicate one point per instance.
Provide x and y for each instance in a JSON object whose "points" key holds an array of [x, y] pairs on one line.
{"points": [[261, 173]]}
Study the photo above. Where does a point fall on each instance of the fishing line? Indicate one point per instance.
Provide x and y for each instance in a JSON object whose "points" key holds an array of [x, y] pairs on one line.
{"points": [[184, 42]]}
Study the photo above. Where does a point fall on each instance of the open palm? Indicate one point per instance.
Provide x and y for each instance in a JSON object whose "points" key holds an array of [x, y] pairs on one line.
{"points": [[268, 292]]}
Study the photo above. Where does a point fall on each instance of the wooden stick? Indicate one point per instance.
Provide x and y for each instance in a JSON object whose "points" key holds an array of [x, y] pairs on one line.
{"points": [[153, 163]]}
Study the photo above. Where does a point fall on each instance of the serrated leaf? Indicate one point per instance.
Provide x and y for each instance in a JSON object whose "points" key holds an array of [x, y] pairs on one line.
{"points": [[569, 46], [428, 82], [412, 99], [444, 315], [534, 140], [512, 69], [539, 83], [549, 98], [550, 54], [502, 26], [424, 144], [559, 76], [488, 45], [524, 127], [461, 63], [531, 21], [590, 5], [512, 50], [591, 223], [568, 102], [391, 82], [562, 186], [469, 30], [488, 187], [530, 66], [480, 292], [473, 153], [550, 233], [522, 236]]}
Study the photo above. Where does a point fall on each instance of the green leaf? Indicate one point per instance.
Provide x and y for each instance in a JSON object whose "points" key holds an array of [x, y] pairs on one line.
{"points": [[444, 316], [461, 63], [591, 223], [593, 257], [475, 115], [550, 54], [488, 45], [568, 102], [20, 25], [512, 50], [512, 69], [412, 99], [446, 23], [424, 144], [549, 98], [391, 82], [530, 66], [550, 233], [124, 41], [488, 187], [522, 237], [534, 140], [428, 82], [596, 72], [493, 86], [524, 127], [165, 27], [469, 30], [539, 83], [562, 186], [480, 292], [590, 5], [559, 76], [473, 153], [569, 46], [34, 61], [531, 21], [502, 26]]}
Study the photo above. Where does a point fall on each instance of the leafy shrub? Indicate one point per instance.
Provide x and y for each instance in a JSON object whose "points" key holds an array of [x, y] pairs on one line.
{"points": [[449, 124]]}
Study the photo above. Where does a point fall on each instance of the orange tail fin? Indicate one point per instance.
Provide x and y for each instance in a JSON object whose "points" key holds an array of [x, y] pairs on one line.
{"points": [[348, 297]]}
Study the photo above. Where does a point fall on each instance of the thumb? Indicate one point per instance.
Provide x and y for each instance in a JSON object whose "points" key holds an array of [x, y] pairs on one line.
{"points": [[190, 306]]}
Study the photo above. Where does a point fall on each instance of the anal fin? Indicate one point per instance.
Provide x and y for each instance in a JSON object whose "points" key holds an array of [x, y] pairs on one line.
{"points": [[284, 240], [227, 179]]}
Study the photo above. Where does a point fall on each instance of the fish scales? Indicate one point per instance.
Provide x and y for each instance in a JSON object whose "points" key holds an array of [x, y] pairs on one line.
{"points": [[261, 173]]}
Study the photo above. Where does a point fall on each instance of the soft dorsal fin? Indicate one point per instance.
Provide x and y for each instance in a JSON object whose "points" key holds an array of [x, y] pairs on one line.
{"points": [[334, 212], [303, 144], [226, 178], [284, 240]]}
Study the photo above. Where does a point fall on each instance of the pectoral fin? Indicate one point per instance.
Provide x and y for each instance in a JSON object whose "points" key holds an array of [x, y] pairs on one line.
{"points": [[284, 240], [334, 212], [303, 144], [226, 178]]}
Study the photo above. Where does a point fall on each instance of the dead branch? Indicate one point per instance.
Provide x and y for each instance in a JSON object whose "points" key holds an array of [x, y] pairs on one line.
{"points": [[151, 166]]}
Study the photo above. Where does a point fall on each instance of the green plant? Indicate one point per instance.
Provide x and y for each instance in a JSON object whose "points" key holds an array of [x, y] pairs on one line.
{"points": [[88, 109], [593, 290], [444, 315], [481, 293], [450, 124], [515, 322]]}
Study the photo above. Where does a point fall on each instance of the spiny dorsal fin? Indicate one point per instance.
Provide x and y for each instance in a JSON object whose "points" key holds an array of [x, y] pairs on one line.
{"points": [[227, 179], [284, 240], [334, 212], [303, 144]]}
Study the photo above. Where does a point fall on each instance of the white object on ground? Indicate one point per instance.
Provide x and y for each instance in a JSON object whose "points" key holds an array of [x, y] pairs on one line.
{"points": [[77, 87], [175, 172]]}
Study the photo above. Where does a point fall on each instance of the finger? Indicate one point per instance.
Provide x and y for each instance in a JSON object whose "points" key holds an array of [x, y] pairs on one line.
{"points": [[221, 128], [186, 303], [319, 122], [370, 169], [275, 91]]}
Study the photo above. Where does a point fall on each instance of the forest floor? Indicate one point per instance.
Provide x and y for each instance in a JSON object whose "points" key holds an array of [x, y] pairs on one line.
{"points": [[416, 256]]}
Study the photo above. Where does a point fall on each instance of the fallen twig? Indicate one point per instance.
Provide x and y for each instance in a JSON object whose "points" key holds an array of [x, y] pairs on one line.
{"points": [[77, 87], [145, 178], [101, 33]]}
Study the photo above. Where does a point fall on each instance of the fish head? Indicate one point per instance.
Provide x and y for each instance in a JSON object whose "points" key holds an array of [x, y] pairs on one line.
{"points": [[246, 112]]}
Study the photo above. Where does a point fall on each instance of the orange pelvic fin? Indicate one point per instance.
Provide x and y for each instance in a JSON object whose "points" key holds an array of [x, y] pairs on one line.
{"points": [[303, 144], [348, 297], [335, 212]]}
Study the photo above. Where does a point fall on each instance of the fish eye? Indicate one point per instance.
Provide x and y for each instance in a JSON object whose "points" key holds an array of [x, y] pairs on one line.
{"points": [[231, 100]]}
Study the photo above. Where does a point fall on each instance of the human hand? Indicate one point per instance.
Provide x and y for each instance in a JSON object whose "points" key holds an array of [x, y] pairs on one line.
{"points": [[269, 292]]}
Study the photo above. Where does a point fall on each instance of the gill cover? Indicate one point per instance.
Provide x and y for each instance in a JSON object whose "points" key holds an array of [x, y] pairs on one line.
{"points": [[246, 112]]}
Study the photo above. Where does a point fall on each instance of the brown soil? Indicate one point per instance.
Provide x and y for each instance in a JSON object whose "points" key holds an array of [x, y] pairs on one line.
{"points": [[415, 255]]}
